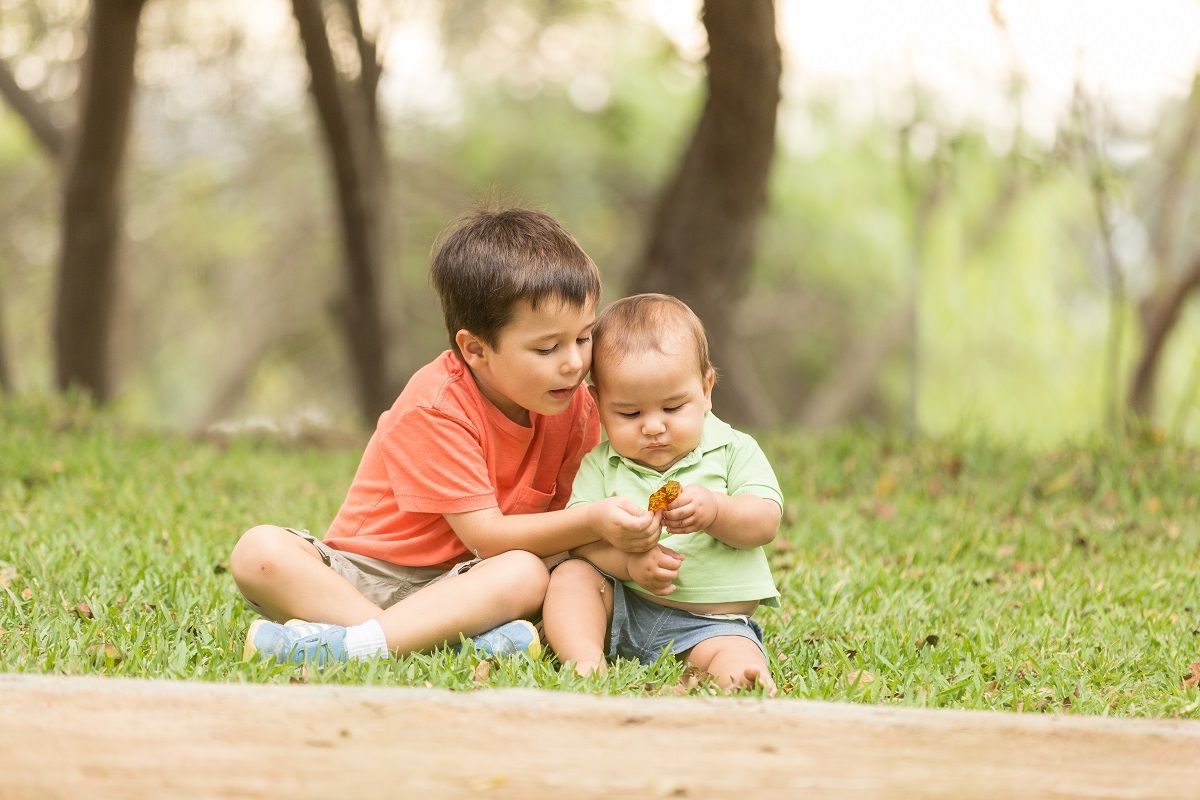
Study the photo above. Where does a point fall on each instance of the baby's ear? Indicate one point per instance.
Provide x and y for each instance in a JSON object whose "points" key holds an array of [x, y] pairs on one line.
{"points": [[710, 379]]}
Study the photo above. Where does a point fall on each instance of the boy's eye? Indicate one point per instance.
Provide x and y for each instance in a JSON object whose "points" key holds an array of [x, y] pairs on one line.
{"points": [[583, 340], [545, 351], [628, 414]]}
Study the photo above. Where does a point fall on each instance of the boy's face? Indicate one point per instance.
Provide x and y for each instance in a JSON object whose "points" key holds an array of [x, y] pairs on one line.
{"points": [[539, 359], [653, 404]]}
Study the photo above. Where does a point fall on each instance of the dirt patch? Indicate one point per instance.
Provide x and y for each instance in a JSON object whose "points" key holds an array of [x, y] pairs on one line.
{"points": [[96, 737]]}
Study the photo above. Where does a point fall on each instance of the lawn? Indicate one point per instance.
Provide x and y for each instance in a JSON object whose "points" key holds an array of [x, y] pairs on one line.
{"points": [[949, 573]]}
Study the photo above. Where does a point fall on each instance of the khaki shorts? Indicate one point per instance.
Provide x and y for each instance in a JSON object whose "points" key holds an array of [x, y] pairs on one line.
{"points": [[381, 582]]}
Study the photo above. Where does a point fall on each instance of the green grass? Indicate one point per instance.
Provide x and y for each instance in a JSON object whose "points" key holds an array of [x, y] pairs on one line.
{"points": [[943, 573]]}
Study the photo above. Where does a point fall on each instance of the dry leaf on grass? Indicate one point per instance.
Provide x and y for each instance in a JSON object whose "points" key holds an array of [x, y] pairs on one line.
{"points": [[859, 676], [1194, 678]]}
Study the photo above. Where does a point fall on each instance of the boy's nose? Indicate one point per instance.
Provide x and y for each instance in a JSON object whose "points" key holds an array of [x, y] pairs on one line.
{"points": [[573, 361]]}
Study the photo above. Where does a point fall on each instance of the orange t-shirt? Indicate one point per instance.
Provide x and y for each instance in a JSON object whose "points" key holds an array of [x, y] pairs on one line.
{"points": [[443, 448]]}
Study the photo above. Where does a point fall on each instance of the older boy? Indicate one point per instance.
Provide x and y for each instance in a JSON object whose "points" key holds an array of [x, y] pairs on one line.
{"points": [[652, 380], [443, 529]]}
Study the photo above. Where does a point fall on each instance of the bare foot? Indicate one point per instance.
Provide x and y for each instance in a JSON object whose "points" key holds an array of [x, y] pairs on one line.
{"points": [[756, 676], [585, 668]]}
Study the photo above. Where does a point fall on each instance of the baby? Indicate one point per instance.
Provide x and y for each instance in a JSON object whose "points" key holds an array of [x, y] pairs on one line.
{"points": [[692, 593]]}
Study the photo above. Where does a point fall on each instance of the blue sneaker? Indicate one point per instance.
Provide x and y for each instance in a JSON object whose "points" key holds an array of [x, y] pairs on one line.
{"points": [[315, 643], [512, 638]]}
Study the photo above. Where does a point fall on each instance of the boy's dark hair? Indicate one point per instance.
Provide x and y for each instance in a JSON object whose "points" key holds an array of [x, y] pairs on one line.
{"points": [[644, 322], [488, 260]]}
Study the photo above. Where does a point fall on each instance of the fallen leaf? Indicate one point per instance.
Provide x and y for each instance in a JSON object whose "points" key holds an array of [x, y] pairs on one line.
{"points": [[6, 576], [931, 641], [105, 652], [27, 593], [885, 486], [1194, 678], [782, 545], [859, 676], [220, 568], [84, 611], [885, 510], [482, 671]]}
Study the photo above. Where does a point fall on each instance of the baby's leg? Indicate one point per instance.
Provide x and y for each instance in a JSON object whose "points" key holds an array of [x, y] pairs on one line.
{"points": [[735, 662], [579, 604], [286, 577]]}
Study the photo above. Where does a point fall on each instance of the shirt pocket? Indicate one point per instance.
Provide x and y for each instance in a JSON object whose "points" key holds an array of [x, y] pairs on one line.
{"points": [[527, 500]]}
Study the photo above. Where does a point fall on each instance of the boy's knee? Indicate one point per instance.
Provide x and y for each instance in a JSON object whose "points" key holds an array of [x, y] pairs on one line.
{"points": [[253, 555], [527, 580]]}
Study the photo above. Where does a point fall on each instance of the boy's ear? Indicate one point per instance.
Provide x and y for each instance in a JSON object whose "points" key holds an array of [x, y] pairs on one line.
{"points": [[474, 350]]}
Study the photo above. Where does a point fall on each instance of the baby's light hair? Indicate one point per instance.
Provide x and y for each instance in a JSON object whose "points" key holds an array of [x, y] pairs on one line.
{"points": [[644, 322]]}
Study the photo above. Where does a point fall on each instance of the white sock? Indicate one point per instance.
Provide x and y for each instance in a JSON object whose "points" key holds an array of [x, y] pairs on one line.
{"points": [[366, 640]]}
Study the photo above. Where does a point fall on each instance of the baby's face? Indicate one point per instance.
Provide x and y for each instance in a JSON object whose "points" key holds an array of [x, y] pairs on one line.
{"points": [[652, 406]]}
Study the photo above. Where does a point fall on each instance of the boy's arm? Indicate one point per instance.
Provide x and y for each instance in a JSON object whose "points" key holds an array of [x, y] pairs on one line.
{"points": [[622, 523]]}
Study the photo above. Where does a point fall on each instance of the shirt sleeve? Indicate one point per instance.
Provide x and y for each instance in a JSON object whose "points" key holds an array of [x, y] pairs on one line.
{"points": [[589, 480], [435, 464], [750, 472], [585, 437]]}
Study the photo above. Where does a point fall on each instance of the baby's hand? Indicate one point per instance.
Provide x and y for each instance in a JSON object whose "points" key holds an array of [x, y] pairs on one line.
{"points": [[625, 524], [655, 570], [694, 510]]}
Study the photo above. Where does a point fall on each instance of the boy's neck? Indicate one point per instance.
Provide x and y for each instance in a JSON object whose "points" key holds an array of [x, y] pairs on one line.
{"points": [[505, 406]]}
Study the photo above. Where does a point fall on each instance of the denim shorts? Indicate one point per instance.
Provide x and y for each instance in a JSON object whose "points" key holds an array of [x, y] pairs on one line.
{"points": [[642, 630], [381, 582]]}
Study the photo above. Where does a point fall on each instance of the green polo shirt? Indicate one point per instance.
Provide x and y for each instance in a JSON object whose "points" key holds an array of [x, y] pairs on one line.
{"points": [[726, 461]]}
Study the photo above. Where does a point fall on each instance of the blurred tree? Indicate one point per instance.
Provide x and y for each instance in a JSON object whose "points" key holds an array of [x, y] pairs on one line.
{"points": [[45, 132], [91, 205], [1160, 310], [348, 111], [701, 240]]}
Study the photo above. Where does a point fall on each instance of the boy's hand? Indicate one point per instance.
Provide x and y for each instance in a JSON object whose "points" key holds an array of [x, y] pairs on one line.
{"points": [[626, 525], [694, 510], [655, 570]]}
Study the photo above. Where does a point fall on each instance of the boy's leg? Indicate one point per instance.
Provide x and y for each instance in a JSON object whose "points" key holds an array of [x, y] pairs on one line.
{"points": [[579, 605], [735, 662], [286, 577], [506, 587]]}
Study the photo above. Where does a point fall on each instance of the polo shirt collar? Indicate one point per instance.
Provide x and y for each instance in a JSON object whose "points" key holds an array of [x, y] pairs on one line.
{"points": [[716, 434]]}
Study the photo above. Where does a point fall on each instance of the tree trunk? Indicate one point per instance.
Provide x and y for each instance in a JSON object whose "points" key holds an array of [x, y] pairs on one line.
{"points": [[1159, 312], [91, 204], [350, 128], [702, 234], [1160, 320]]}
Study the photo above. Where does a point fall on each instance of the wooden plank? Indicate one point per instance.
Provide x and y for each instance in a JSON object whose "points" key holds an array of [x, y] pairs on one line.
{"points": [[96, 737]]}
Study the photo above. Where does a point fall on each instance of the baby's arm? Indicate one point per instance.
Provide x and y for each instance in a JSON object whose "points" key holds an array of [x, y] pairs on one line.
{"points": [[743, 521], [655, 570]]}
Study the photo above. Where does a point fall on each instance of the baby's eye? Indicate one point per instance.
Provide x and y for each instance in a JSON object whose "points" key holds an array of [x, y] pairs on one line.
{"points": [[673, 409]]}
